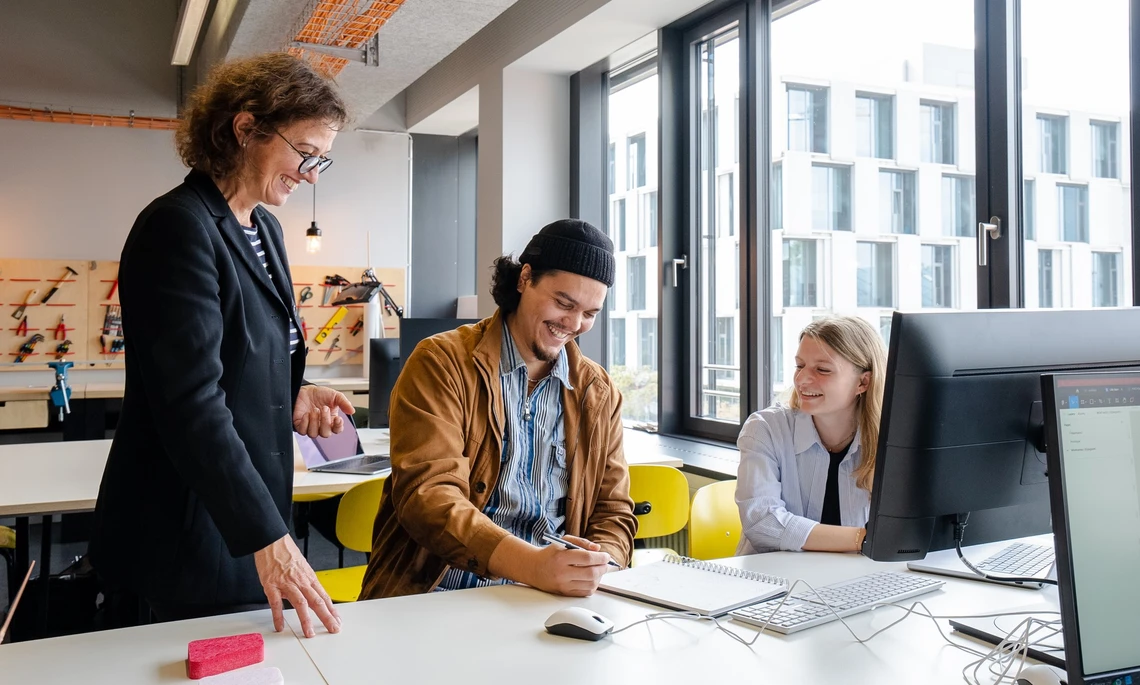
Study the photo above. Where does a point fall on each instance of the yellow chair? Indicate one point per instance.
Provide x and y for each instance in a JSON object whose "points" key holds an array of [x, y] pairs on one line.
{"points": [[714, 523], [354, 519], [301, 515], [661, 502], [8, 548]]}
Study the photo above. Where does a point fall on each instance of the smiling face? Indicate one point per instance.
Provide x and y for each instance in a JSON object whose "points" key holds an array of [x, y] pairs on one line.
{"points": [[552, 312], [825, 382], [271, 171]]}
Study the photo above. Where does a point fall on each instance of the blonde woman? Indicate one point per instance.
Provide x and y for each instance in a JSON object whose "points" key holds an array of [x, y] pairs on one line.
{"points": [[806, 469]]}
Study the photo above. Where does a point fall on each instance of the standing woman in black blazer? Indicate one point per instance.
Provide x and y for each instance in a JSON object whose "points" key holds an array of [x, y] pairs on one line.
{"points": [[194, 507]]}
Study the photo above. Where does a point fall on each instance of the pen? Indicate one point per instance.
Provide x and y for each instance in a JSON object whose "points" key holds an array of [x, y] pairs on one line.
{"points": [[570, 545]]}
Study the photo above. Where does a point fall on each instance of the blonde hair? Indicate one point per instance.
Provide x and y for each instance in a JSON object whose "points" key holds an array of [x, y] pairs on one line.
{"points": [[856, 341]]}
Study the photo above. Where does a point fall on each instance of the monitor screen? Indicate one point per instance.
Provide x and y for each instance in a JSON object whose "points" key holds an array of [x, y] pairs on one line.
{"points": [[1094, 462], [962, 432]]}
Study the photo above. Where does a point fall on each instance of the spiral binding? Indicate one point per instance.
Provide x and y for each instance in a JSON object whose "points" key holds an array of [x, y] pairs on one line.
{"points": [[725, 570]]}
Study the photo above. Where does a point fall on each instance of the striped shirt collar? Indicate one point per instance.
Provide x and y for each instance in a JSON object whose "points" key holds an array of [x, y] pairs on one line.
{"points": [[510, 360]]}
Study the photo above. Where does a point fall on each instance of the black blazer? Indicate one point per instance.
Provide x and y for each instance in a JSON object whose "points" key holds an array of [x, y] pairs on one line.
{"points": [[200, 473]]}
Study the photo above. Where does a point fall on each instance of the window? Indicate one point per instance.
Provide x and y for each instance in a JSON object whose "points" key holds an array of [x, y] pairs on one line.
{"points": [[885, 329], [831, 197], [649, 218], [777, 334], [1045, 278], [800, 277], [617, 342], [1106, 279], [611, 169], [807, 119], [896, 202], [874, 126], [936, 121], [636, 145], [726, 204], [1105, 149], [636, 280], [725, 353], [1054, 144], [617, 224], [1074, 212], [777, 200], [876, 281], [1029, 197], [647, 342], [938, 276], [958, 206]]}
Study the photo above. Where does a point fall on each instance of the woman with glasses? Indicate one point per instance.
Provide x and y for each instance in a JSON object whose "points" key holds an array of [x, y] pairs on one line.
{"points": [[194, 508]]}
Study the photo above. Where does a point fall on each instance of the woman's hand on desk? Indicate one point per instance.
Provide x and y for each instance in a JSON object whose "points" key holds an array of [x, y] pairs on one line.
{"points": [[285, 574], [314, 412]]}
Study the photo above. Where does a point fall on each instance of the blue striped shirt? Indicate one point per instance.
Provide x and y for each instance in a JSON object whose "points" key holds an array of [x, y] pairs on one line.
{"points": [[254, 236], [782, 480], [530, 497]]}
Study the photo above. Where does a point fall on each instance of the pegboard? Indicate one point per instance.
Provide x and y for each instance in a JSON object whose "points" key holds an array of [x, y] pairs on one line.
{"points": [[316, 314], [25, 283]]}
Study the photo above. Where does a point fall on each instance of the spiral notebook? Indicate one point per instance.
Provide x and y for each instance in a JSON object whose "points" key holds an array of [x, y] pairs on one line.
{"points": [[692, 585]]}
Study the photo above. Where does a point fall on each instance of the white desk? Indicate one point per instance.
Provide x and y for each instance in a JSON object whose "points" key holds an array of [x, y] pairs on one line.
{"points": [[495, 636]]}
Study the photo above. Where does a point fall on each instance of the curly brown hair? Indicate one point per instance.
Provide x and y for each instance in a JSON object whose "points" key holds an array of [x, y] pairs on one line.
{"points": [[278, 89], [505, 282]]}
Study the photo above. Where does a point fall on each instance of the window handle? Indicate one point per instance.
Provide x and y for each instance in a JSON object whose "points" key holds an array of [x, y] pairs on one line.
{"points": [[990, 230], [682, 263]]}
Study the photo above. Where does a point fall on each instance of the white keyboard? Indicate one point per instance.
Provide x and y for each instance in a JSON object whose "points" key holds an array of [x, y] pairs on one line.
{"points": [[1020, 560], [805, 609]]}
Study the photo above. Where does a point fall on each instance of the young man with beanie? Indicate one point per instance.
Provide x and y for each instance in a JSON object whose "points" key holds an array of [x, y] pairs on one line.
{"points": [[503, 431]]}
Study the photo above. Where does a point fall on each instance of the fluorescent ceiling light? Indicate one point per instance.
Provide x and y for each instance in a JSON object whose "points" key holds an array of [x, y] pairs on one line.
{"points": [[186, 36]]}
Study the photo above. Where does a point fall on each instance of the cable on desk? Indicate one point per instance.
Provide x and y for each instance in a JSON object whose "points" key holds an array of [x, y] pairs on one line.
{"points": [[960, 522]]}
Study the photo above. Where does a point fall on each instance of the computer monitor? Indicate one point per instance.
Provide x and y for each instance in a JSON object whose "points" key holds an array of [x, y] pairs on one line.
{"points": [[962, 429], [386, 362], [1093, 434]]}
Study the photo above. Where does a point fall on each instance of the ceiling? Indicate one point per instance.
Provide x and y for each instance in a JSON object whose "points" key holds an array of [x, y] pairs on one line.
{"points": [[416, 37]]}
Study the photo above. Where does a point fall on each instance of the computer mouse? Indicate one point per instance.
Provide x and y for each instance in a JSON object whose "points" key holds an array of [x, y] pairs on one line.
{"points": [[579, 623], [1038, 674]]}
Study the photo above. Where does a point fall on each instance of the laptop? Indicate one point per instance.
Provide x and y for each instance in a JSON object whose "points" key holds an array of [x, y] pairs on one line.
{"points": [[341, 453], [1092, 429]]}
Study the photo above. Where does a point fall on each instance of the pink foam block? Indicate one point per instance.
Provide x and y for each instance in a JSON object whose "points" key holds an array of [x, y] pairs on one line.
{"points": [[257, 676], [221, 654]]}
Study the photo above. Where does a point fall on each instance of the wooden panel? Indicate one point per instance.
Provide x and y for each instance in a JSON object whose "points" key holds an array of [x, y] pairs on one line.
{"points": [[316, 314], [18, 278], [101, 280], [24, 414]]}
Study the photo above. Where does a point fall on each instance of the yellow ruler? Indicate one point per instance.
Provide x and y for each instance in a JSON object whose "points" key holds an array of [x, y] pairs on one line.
{"points": [[336, 318]]}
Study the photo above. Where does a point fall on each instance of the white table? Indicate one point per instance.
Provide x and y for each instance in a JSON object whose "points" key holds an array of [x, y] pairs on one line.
{"points": [[495, 636]]}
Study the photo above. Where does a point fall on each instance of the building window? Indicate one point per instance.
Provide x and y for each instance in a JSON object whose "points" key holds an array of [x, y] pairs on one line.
{"points": [[1045, 278], [897, 202], [874, 125], [649, 217], [611, 177], [885, 329], [726, 205], [1106, 279], [617, 342], [777, 199], [1029, 198], [636, 281], [938, 276], [1074, 212], [876, 284], [636, 146], [801, 273], [1054, 144], [807, 119], [647, 342], [617, 224], [1106, 149], [831, 197], [958, 206], [777, 349], [938, 139], [725, 352]]}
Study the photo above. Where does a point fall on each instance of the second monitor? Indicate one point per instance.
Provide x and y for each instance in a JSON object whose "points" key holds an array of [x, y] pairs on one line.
{"points": [[962, 432]]}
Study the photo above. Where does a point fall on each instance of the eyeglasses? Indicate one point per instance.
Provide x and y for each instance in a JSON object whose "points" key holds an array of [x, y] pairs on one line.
{"points": [[308, 162]]}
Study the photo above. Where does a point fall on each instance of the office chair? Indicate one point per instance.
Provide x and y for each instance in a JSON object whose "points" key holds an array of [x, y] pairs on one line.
{"points": [[302, 508], [8, 549], [714, 521], [661, 503], [354, 519]]}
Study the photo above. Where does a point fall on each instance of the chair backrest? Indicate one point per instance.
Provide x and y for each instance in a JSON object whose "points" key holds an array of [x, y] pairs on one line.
{"points": [[665, 492], [714, 523], [357, 513]]}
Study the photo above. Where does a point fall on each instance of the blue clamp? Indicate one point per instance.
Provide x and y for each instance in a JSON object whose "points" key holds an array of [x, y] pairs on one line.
{"points": [[61, 393]]}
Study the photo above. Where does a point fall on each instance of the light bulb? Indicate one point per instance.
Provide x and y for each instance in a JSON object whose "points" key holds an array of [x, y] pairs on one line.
{"points": [[313, 239]]}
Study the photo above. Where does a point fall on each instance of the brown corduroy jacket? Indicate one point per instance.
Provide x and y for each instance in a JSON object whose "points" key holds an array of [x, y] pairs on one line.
{"points": [[446, 416]]}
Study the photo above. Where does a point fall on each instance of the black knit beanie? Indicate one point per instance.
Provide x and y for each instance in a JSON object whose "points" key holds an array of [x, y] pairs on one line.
{"points": [[575, 246]]}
